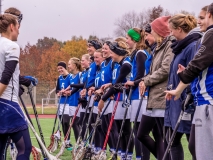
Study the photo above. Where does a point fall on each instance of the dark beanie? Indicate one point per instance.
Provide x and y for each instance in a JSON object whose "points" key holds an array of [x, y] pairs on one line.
{"points": [[95, 43], [148, 28], [63, 64], [114, 47]]}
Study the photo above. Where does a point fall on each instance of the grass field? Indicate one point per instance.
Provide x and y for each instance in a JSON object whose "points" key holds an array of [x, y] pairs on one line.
{"points": [[47, 125]]}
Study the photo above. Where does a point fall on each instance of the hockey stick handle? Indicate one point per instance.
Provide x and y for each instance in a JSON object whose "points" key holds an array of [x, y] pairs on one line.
{"points": [[56, 116], [36, 115], [111, 122], [134, 126], [49, 156]]}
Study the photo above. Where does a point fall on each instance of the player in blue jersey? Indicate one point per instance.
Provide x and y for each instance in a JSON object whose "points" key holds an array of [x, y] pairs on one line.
{"points": [[106, 77], [121, 73], [62, 83], [13, 123], [99, 135], [136, 43], [74, 66]]}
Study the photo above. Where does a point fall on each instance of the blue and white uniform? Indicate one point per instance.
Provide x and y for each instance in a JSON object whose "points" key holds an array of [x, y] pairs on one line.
{"points": [[73, 101], [106, 77], [119, 115], [64, 102], [135, 98], [91, 79], [11, 116]]}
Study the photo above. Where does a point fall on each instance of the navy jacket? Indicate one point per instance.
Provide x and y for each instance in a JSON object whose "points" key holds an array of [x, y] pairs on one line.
{"points": [[184, 51]]}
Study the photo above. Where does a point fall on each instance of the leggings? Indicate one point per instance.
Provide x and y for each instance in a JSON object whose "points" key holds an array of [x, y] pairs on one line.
{"points": [[65, 124], [192, 142], [125, 135], [113, 137], [140, 149], [156, 147], [98, 139], [176, 152], [22, 142], [75, 127]]}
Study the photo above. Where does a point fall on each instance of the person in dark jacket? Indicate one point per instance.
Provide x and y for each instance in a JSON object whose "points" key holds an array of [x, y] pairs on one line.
{"points": [[200, 67], [183, 29]]}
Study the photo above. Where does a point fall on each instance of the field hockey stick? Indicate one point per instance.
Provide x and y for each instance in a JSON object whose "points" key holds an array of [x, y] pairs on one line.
{"points": [[102, 155], [81, 128], [28, 116], [125, 104], [134, 126], [48, 155], [82, 149], [36, 115], [57, 136], [188, 98], [68, 133], [52, 135]]}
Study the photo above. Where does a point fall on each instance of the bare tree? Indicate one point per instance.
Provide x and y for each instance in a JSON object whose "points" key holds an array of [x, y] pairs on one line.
{"points": [[127, 21], [154, 13]]}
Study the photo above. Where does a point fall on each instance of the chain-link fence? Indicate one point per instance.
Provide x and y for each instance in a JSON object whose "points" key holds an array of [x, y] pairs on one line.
{"points": [[42, 90]]}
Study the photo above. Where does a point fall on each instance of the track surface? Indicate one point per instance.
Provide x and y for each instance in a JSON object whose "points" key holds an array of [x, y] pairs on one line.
{"points": [[43, 116]]}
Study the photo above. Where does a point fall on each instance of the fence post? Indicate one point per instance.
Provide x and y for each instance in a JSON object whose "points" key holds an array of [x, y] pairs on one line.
{"points": [[42, 106]]}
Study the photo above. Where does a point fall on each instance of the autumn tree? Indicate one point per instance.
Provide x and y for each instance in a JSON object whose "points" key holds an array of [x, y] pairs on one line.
{"points": [[75, 47], [30, 58], [47, 70], [46, 43]]}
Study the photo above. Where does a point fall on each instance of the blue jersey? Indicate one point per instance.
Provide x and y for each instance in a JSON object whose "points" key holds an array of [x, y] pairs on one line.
{"points": [[91, 75], [135, 92], [116, 72], [106, 72], [74, 79], [63, 84]]}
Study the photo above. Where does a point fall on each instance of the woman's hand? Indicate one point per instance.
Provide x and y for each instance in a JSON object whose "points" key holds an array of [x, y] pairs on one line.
{"points": [[171, 93], [105, 86], [83, 93], [129, 83], [67, 93], [142, 88], [100, 105], [99, 91], [180, 68], [91, 90]]}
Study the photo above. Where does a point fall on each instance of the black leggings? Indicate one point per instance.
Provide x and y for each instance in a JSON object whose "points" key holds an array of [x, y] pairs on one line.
{"points": [[75, 128], [65, 124], [140, 149], [99, 138], [176, 152], [22, 142], [113, 137], [125, 135], [192, 142], [146, 126]]}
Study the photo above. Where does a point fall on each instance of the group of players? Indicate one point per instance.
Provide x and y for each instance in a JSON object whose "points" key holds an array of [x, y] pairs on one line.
{"points": [[156, 63]]}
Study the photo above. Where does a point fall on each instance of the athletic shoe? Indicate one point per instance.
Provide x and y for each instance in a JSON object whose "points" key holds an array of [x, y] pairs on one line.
{"points": [[69, 147]]}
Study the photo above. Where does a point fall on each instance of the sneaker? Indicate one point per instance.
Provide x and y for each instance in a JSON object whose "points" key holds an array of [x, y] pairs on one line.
{"points": [[69, 147]]}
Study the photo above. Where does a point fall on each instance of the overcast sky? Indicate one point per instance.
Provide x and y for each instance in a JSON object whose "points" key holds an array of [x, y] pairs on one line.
{"points": [[62, 19]]}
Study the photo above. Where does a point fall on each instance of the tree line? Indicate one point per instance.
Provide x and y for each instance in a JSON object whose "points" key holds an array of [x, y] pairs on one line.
{"points": [[40, 60]]}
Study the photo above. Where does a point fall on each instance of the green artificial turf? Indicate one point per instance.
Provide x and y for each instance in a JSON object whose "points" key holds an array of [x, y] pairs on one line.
{"points": [[47, 126]]}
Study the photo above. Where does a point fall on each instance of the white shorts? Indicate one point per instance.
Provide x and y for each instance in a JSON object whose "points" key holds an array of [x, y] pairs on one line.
{"points": [[72, 110], [134, 109], [66, 109], [119, 114], [91, 101], [155, 113], [109, 108]]}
